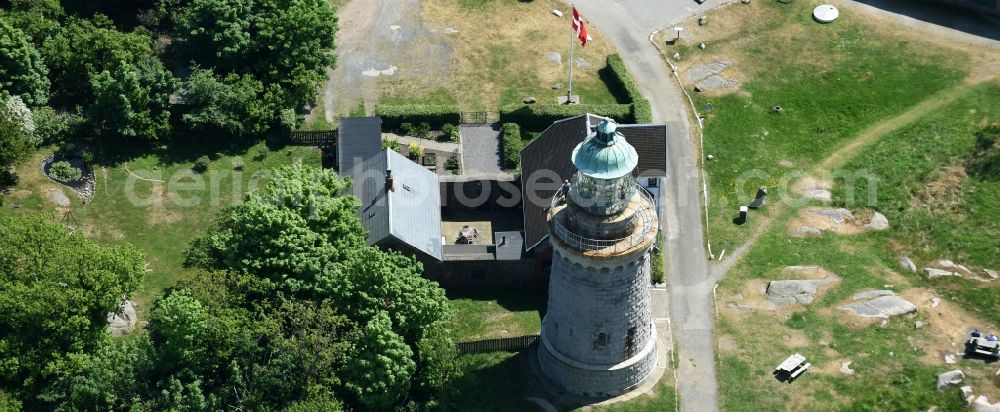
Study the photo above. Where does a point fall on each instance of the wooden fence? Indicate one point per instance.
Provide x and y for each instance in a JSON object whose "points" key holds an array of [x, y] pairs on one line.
{"points": [[480, 117], [513, 344], [313, 137]]}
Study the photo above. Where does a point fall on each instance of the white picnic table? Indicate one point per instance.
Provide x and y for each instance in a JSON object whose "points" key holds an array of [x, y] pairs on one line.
{"points": [[794, 365]]}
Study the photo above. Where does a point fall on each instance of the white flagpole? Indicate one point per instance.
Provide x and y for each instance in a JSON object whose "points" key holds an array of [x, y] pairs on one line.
{"points": [[572, 41]]}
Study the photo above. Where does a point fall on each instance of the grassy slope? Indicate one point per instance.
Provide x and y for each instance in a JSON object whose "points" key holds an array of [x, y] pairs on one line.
{"points": [[159, 225], [903, 162], [906, 161], [832, 80]]}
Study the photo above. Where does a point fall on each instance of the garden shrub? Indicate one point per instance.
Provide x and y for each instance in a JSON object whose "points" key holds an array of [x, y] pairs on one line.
{"points": [[415, 151], [656, 261], [65, 172], [434, 115], [391, 144], [450, 131], [510, 135], [451, 163], [201, 164]]}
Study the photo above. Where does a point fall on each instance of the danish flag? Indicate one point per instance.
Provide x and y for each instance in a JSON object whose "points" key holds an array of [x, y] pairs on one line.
{"points": [[579, 28]]}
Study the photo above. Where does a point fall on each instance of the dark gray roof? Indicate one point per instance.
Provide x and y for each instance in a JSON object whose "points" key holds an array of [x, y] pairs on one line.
{"points": [[359, 138], [552, 151], [410, 214]]}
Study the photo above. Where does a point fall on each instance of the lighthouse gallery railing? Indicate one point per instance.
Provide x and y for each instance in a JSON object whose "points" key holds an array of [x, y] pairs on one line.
{"points": [[646, 220]]}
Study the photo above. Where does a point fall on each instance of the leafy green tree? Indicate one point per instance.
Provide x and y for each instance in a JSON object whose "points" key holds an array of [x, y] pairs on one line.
{"points": [[113, 377], [179, 323], [289, 232], [16, 131], [84, 48], [133, 101], [225, 104], [56, 290], [219, 32], [300, 238], [22, 71], [380, 373], [39, 19], [286, 43]]}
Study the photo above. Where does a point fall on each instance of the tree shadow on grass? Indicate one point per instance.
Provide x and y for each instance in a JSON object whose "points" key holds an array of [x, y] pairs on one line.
{"points": [[498, 381], [181, 148]]}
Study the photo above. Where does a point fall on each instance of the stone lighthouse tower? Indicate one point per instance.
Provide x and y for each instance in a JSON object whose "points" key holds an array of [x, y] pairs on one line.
{"points": [[598, 336]]}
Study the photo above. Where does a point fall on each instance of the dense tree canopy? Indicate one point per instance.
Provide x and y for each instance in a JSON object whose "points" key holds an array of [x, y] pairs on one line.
{"points": [[56, 290], [255, 63], [283, 42], [22, 71], [133, 100], [86, 48], [301, 236], [225, 104]]}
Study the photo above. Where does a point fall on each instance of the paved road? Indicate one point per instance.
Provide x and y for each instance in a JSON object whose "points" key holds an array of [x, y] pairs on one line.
{"points": [[628, 23]]}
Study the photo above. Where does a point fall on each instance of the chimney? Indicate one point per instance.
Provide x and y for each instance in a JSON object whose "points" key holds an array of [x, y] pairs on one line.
{"points": [[388, 181]]}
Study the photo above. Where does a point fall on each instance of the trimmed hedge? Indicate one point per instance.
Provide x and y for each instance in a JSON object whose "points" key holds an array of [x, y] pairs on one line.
{"points": [[540, 116], [624, 78], [510, 135], [642, 112], [435, 115]]}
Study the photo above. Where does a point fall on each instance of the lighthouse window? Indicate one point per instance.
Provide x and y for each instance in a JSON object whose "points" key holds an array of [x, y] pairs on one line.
{"points": [[602, 340]]}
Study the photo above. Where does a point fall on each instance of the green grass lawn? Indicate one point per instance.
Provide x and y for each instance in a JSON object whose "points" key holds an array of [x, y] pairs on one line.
{"points": [[503, 313], [891, 362], [938, 210], [159, 218], [832, 81]]}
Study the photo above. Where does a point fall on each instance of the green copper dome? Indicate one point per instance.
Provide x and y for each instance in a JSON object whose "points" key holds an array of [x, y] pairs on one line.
{"points": [[606, 154]]}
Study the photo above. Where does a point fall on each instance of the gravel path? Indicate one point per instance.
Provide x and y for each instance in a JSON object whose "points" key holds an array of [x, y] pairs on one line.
{"points": [[480, 148]]}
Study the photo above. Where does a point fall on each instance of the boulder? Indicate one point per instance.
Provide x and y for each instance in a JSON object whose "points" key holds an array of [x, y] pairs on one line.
{"points": [[950, 359], [530, 100], [123, 321], [966, 391], [787, 292], [883, 306], [953, 267], [845, 368], [991, 273], [908, 264], [935, 302], [818, 194], [838, 215], [878, 222], [919, 324], [982, 404], [554, 57], [950, 378], [808, 231], [872, 294], [934, 273]]}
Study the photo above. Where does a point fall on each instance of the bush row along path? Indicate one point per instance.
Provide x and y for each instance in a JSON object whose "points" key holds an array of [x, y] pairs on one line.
{"points": [[628, 24]]}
